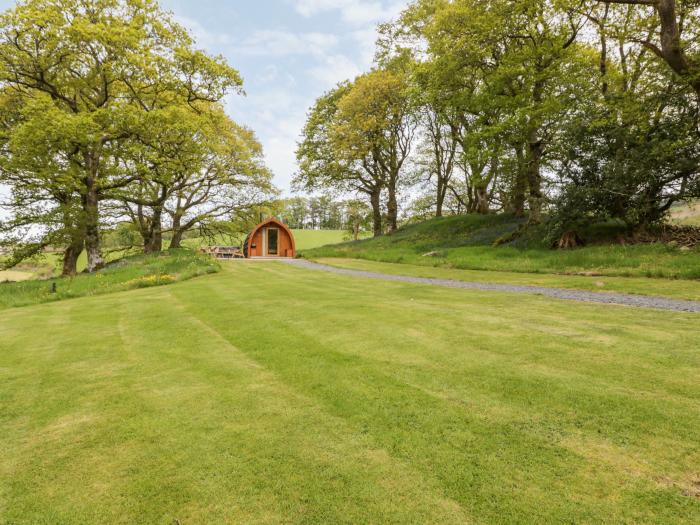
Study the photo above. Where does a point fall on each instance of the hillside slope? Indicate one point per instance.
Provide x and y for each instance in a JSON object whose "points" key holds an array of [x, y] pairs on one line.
{"points": [[466, 242], [687, 215], [139, 271]]}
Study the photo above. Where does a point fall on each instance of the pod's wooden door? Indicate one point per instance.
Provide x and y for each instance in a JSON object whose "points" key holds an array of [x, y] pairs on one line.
{"points": [[273, 242]]}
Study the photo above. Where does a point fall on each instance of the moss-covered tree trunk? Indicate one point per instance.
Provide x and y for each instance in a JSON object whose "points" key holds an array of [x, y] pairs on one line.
{"points": [[392, 206], [376, 203], [71, 256], [91, 203]]}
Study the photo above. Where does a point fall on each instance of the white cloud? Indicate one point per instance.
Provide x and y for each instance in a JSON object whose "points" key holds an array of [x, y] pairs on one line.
{"points": [[285, 43], [210, 40], [286, 67], [276, 110], [358, 12], [280, 152], [333, 69], [366, 40]]}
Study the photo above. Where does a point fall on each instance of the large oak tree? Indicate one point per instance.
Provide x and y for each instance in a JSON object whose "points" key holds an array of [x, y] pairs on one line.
{"points": [[98, 67]]}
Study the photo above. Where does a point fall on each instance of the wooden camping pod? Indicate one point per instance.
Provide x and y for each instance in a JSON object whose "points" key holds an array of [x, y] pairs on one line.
{"points": [[270, 238]]}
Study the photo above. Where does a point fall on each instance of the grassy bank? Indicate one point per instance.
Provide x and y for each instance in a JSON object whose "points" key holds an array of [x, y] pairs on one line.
{"points": [[50, 264], [271, 394], [466, 242], [139, 271]]}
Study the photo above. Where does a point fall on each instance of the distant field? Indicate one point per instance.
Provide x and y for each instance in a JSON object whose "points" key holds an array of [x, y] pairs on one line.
{"points": [[49, 265], [305, 239], [10, 275], [687, 215], [309, 239]]}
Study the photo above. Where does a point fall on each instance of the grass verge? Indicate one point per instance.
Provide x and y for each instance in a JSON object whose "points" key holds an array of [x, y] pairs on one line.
{"points": [[139, 271], [671, 288]]}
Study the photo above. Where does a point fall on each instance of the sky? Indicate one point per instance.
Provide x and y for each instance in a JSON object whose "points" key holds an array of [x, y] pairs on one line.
{"points": [[289, 52]]}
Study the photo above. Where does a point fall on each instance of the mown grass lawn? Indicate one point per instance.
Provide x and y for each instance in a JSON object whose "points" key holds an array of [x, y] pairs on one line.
{"points": [[268, 394]]}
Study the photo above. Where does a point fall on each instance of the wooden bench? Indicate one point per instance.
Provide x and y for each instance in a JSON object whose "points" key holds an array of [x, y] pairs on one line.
{"points": [[224, 252]]}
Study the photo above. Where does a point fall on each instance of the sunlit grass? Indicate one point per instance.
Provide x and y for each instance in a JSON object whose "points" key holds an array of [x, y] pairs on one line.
{"points": [[272, 394], [672, 288]]}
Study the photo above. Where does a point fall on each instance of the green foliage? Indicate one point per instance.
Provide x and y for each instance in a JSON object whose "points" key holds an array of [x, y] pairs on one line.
{"points": [[357, 138], [80, 83], [558, 109]]}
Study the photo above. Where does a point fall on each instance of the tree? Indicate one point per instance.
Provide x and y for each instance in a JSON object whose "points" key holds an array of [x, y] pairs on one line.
{"points": [[439, 152], [674, 42], [193, 167], [631, 150], [233, 178], [321, 167], [101, 65], [376, 125], [42, 180], [357, 217]]}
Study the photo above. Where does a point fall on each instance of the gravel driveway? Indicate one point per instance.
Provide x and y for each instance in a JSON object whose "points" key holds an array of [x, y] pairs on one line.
{"points": [[638, 301]]}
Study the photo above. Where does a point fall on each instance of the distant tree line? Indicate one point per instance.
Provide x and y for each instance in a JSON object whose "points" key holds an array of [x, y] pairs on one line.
{"points": [[324, 213], [109, 115], [567, 112]]}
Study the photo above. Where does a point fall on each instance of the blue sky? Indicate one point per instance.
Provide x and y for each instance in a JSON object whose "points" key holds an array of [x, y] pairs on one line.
{"points": [[289, 52]]}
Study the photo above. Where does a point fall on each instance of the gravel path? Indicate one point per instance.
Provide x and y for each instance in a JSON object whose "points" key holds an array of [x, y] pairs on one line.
{"points": [[638, 301]]}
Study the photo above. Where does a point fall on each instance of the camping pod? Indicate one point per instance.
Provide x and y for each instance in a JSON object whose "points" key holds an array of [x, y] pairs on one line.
{"points": [[270, 238]]}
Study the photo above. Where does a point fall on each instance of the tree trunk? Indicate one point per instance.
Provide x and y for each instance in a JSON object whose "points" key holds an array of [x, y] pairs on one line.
{"points": [[178, 233], [441, 193], [534, 180], [71, 255], [672, 44], [153, 241], [392, 207], [520, 186], [92, 229], [176, 241], [375, 200], [482, 201], [535, 154]]}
